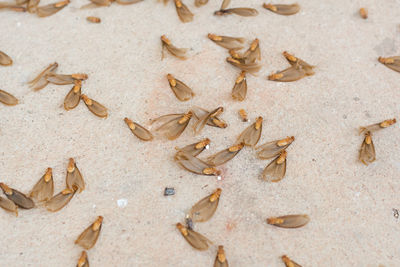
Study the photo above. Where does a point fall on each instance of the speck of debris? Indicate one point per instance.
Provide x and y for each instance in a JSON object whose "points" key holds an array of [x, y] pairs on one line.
{"points": [[344, 116], [169, 191], [367, 114], [189, 223], [396, 213], [122, 202], [356, 99]]}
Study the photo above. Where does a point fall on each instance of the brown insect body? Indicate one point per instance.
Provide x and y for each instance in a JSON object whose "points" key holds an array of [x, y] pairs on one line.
{"points": [[173, 50], [239, 90], [196, 240], [93, 19], [174, 124], [138, 130], [251, 67], [225, 155], [251, 135], [214, 120], [195, 148], [5, 60], [391, 62], [276, 170], [40, 81], [204, 209], [220, 259], [8, 205], [289, 221], [43, 190], [183, 11], [20, 199], [74, 179], [73, 97], [88, 238], [180, 89], [363, 13], [286, 10], [83, 260], [367, 151], [60, 200], [199, 3], [243, 115], [227, 41], [289, 263], [195, 165], [7, 98], [274, 148], [51, 9], [95, 107], [297, 62]]}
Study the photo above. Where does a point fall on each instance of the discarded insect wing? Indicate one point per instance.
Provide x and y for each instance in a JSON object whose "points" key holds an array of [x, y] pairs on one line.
{"points": [[199, 125], [227, 42], [95, 107], [60, 200], [241, 11], [40, 81], [196, 240], [225, 4], [48, 10], [12, 7], [183, 11], [275, 171], [83, 260], [367, 150], [283, 9], [7, 98], [213, 121], [128, 2], [63, 79], [89, 237], [101, 2], [225, 155], [195, 165], [249, 67], [138, 130], [391, 62], [377, 126], [32, 5], [93, 19], [291, 74], [20, 199], [174, 127], [21, 2], [253, 53], [8, 205], [251, 135], [289, 221], [239, 90], [363, 13], [181, 90], [74, 96], [274, 148], [203, 210], [289, 263], [74, 179], [5, 60], [44, 188], [196, 148], [200, 3], [294, 61], [220, 260], [177, 52], [236, 55]]}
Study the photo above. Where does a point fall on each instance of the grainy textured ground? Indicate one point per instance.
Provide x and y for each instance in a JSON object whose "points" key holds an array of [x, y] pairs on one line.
{"points": [[350, 205]]}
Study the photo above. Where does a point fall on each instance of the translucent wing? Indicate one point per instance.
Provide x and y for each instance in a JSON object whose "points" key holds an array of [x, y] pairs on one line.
{"points": [[227, 42], [95, 107], [7, 98], [83, 260], [220, 260], [203, 210], [274, 148], [225, 155], [289, 221], [194, 165], [286, 10], [73, 97], [196, 240], [8, 205], [251, 67], [138, 130], [276, 170], [74, 179], [239, 90], [367, 150], [195, 148], [40, 81], [89, 237], [183, 11], [180, 89], [20, 199], [5, 60], [290, 74], [251, 135], [48, 10], [60, 200], [43, 190], [243, 11]]}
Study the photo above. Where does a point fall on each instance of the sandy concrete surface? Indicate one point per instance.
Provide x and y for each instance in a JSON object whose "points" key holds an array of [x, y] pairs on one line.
{"points": [[350, 205]]}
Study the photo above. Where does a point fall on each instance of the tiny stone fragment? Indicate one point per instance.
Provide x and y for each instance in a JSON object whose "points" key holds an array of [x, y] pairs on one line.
{"points": [[169, 191]]}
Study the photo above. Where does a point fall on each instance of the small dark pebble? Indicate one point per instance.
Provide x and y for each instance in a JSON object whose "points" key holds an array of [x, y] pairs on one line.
{"points": [[169, 191], [189, 223]]}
